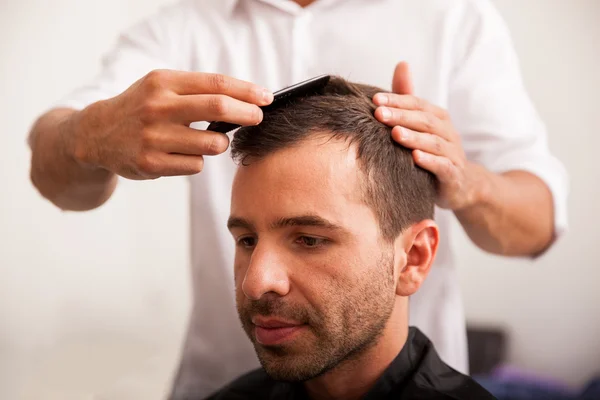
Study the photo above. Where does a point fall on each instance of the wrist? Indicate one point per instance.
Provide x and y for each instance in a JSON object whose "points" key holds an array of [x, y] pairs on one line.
{"points": [[478, 187], [77, 131]]}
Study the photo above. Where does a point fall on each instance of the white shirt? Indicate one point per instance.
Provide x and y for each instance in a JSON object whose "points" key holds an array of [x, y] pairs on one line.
{"points": [[462, 59]]}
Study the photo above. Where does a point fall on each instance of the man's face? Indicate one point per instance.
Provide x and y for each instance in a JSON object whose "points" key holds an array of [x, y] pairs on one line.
{"points": [[314, 279]]}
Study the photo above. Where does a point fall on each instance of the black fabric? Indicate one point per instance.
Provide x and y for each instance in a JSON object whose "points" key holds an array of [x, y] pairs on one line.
{"points": [[417, 373]]}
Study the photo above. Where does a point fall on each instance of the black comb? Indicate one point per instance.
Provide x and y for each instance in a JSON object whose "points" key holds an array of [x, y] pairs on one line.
{"points": [[307, 88]]}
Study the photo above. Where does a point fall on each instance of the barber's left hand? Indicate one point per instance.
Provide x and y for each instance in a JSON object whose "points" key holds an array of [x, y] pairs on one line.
{"points": [[428, 130]]}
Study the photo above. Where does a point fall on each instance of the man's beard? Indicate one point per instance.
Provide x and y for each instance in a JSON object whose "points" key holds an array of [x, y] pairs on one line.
{"points": [[350, 321]]}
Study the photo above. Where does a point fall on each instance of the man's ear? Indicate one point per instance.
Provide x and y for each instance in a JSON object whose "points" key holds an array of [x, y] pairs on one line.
{"points": [[418, 245]]}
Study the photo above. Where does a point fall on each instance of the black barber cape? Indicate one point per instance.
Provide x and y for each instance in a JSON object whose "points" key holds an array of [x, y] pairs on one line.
{"points": [[416, 373]]}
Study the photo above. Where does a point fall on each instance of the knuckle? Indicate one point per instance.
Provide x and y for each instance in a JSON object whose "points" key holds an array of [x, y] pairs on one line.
{"points": [[157, 107], [152, 108], [416, 138], [148, 138], [444, 114], [147, 165], [218, 105], [438, 145], [255, 94], [81, 151], [418, 103], [217, 144], [448, 167], [219, 83], [155, 79], [429, 121], [197, 165]]}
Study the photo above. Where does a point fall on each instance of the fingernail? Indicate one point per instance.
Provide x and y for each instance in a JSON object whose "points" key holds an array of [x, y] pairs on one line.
{"points": [[258, 115], [386, 113], [267, 96], [404, 134], [382, 99]]}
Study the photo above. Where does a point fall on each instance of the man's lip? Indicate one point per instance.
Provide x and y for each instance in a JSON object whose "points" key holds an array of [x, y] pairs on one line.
{"points": [[276, 336], [272, 323]]}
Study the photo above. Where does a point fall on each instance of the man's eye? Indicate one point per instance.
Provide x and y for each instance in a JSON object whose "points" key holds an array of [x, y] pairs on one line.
{"points": [[309, 241], [247, 242]]}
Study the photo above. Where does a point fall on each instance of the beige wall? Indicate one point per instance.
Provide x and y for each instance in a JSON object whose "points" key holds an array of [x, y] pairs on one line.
{"points": [[97, 303], [552, 306], [93, 302]]}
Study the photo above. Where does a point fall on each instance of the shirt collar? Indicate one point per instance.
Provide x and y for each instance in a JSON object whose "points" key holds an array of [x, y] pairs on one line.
{"points": [[229, 5]]}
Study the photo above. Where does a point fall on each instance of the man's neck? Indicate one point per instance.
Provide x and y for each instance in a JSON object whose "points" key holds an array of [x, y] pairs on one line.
{"points": [[304, 3], [353, 378]]}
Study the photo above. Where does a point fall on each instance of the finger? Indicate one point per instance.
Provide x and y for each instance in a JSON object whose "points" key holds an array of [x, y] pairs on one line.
{"points": [[407, 102], [178, 139], [419, 121], [200, 83], [157, 164], [432, 144], [193, 83], [402, 82], [441, 167], [179, 164], [208, 107]]}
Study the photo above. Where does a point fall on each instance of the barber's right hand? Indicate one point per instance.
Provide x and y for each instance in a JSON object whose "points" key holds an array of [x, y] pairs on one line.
{"points": [[144, 132]]}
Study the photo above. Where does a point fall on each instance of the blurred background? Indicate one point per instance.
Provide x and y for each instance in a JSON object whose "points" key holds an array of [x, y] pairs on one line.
{"points": [[95, 305]]}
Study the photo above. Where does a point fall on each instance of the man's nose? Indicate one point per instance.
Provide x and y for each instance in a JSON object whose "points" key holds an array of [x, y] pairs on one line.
{"points": [[266, 273]]}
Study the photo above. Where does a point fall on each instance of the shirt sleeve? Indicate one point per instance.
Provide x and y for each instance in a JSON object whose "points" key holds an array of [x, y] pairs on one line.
{"points": [[144, 47], [499, 125]]}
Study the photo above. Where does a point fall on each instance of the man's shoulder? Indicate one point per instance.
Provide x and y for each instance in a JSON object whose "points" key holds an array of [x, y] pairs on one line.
{"points": [[434, 379], [466, 388], [254, 384]]}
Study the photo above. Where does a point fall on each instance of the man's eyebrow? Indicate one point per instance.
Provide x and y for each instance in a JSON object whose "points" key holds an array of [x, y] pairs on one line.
{"points": [[301, 220], [237, 222], [305, 220]]}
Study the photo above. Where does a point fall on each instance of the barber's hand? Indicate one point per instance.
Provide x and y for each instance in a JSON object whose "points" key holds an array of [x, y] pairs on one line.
{"points": [[144, 132], [428, 130]]}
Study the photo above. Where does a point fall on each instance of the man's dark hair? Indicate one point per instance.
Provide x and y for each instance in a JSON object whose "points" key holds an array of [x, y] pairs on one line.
{"points": [[398, 191]]}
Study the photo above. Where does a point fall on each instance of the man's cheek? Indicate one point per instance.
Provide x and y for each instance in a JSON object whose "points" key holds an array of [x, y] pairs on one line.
{"points": [[240, 266]]}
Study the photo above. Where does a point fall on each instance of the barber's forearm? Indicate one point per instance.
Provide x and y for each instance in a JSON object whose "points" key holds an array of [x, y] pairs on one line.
{"points": [[54, 171], [512, 214]]}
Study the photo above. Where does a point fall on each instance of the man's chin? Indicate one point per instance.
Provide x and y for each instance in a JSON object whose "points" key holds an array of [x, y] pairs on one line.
{"points": [[290, 367], [289, 372]]}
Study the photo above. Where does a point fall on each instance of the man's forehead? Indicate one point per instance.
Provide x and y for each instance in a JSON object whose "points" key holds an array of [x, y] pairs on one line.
{"points": [[311, 168], [316, 177], [318, 149]]}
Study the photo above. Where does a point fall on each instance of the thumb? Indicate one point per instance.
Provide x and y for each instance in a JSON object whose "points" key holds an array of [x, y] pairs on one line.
{"points": [[402, 81]]}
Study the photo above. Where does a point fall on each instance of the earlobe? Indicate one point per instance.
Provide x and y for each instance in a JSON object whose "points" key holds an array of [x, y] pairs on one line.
{"points": [[420, 246]]}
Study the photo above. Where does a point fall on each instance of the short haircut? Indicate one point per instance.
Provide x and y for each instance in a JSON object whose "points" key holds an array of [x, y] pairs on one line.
{"points": [[398, 191]]}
